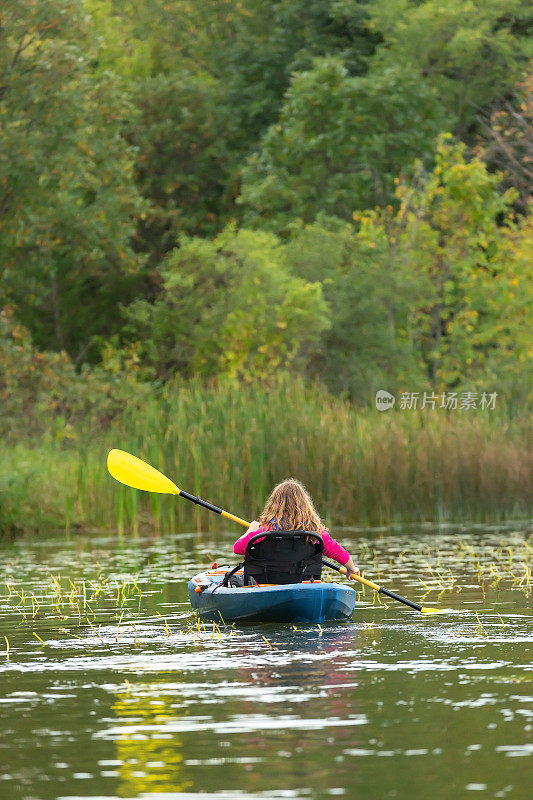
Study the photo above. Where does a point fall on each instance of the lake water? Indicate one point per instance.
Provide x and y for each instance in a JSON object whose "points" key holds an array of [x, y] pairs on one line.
{"points": [[110, 689]]}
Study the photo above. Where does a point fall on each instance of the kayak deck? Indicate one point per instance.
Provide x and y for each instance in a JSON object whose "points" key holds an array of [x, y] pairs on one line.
{"points": [[307, 602]]}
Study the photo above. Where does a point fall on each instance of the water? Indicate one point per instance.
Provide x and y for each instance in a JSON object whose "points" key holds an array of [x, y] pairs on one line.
{"points": [[129, 698]]}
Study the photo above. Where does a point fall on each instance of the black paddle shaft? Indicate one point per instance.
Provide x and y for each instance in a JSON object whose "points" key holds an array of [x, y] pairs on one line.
{"points": [[380, 590], [199, 502], [394, 596]]}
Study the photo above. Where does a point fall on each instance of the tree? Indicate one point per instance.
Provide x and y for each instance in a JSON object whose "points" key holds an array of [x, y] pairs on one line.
{"points": [[126, 32], [43, 393], [471, 316], [471, 52], [204, 106], [251, 47], [229, 306], [505, 336], [338, 145], [271, 44], [507, 142], [437, 293], [369, 293], [184, 139], [67, 198]]}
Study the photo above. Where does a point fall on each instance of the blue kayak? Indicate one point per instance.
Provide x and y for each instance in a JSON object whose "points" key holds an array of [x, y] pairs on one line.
{"points": [[307, 602]]}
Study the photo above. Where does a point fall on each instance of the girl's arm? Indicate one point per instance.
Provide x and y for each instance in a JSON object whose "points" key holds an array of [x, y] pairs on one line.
{"points": [[332, 549], [240, 545]]}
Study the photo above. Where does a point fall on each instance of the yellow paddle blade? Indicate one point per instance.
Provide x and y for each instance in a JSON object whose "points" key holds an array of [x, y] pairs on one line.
{"points": [[432, 610], [138, 474]]}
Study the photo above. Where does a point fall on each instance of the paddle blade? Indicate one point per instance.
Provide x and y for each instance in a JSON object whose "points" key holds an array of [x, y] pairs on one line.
{"points": [[130, 470], [432, 610]]}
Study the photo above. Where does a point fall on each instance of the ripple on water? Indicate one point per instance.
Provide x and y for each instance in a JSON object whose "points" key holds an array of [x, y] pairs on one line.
{"points": [[129, 698]]}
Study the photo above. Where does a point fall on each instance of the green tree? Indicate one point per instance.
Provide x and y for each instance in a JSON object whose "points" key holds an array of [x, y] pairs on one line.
{"points": [[252, 47], [67, 197], [436, 293], [509, 363], [204, 106], [471, 315], [229, 306], [369, 293], [41, 393], [127, 33], [471, 52], [271, 44], [338, 145], [184, 139]]}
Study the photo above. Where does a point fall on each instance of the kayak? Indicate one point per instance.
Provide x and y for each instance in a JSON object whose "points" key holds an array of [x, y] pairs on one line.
{"points": [[307, 602]]}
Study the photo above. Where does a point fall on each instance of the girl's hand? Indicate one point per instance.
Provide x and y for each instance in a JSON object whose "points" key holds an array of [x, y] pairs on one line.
{"points": [[254, 526], [351, 569]]}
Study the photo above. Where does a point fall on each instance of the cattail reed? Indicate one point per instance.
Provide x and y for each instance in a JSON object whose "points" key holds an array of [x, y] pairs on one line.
{"points": [[231, 443]]}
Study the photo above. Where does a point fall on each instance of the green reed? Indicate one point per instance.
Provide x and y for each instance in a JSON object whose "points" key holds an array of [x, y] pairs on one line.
{"points": [[231, 443]]}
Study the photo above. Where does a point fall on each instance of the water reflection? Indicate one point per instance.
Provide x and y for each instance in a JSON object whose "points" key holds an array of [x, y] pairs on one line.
{"points": [[136, 701], [149, 762]]}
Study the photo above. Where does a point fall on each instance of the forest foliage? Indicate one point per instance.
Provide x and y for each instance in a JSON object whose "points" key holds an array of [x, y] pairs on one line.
{"points": [[238, 188]]}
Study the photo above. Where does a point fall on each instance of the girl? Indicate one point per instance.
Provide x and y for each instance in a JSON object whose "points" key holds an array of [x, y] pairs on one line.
{"points": [[290, 508]]}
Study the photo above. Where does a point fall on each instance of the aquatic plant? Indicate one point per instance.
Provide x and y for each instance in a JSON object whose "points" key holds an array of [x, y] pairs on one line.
{"points": [[230, 444]]}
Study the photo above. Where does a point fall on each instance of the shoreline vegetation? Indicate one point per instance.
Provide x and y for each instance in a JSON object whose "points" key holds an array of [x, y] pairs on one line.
{"points": [[222, 231], [231, 443]]}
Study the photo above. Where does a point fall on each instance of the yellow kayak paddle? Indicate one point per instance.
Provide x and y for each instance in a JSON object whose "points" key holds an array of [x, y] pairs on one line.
{"points": [[133, 472]]}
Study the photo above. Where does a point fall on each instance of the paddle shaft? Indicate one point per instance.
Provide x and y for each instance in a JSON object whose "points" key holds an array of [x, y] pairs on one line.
{"points": [[211, 507], [378, 589]]}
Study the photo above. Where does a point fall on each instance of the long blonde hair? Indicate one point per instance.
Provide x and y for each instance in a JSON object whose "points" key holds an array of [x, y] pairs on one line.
{"points": [[290, 508]]}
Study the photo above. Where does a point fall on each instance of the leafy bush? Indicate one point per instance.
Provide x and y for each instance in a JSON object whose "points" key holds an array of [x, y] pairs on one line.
{"points": [[229, 307], [42, 394]]}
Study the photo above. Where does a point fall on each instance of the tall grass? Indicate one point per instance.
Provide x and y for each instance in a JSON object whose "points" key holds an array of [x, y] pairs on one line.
{"points": [[37, 487], [231, 444]]}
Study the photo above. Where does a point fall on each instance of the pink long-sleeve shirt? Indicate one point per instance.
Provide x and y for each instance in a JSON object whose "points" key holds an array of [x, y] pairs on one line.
{"points": [[332, 549]]}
